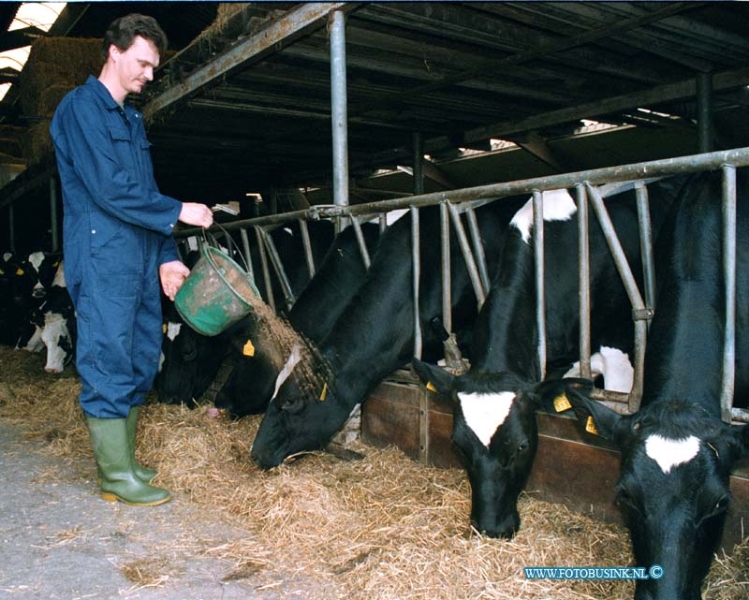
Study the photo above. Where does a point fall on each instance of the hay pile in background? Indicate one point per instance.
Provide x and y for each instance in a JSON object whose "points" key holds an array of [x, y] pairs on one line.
{"points": [[382, 528], [55, 66]]}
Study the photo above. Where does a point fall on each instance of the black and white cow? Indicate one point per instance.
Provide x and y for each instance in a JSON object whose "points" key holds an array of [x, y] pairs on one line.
{"points": [[374, 335], [676, 453], [259, 358], [59, 328], [495, 401], [191, 361]]}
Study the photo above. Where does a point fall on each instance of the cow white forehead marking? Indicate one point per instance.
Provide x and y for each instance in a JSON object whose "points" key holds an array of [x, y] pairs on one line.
{"points": [[291, 362], [485, 413], [172, 330], [558, 205], [36, 259], [669, 453]]}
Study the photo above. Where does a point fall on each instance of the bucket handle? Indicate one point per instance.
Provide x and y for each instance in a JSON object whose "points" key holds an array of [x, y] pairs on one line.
{"points": [[207, 234]]}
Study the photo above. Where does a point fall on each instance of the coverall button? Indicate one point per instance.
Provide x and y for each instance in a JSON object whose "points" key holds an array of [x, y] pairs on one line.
{"points": [[93, 231]]}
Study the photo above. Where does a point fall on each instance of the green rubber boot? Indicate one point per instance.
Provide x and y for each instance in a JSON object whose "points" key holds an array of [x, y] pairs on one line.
{"points": [[109, 440], [142, 472]]}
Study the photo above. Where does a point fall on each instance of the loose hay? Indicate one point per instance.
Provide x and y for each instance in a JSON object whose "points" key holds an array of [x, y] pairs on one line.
{"points": [[382, 528]]}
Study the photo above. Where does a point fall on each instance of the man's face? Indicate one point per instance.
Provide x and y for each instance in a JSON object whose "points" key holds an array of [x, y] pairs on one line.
{"points": [[135, 65]]}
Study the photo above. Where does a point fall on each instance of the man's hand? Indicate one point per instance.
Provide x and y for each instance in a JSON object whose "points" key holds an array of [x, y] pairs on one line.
{"points": [[173, 275], [194, 213]]}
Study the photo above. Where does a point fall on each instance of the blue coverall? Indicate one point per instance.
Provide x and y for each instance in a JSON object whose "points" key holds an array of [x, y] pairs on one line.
{"points": [[117, 230]]}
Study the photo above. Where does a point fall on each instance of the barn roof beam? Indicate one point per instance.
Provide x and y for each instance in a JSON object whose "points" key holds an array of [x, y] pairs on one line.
{"points": [[18, 38], [686, 89], [295, 23]]}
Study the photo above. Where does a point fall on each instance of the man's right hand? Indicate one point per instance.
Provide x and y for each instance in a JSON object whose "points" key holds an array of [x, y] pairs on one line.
{"points": [[194, 213]]}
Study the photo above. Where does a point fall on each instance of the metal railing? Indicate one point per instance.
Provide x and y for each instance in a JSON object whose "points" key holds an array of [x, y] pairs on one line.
{"points": [[591, 187]]}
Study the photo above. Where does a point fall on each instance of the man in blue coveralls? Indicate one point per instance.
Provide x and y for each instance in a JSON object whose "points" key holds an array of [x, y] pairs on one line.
{"points": [[118, 244]]}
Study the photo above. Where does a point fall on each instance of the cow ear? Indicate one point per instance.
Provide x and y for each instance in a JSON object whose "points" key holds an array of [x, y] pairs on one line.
{"points": [[551, 394], [434, 377], [596, 418]]}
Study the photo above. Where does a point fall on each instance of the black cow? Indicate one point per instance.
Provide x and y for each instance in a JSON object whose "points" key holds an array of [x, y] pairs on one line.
{"points": [[676, 453], [374, 335], [191, 361], [495, 401], [259, 358]]}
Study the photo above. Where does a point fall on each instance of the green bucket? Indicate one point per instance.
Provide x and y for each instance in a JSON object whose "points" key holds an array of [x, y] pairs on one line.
{"points": [[216, 294]]}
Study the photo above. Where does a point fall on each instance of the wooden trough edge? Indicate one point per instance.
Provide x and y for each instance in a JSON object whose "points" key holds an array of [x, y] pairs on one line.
{"points": [[569, 469]]}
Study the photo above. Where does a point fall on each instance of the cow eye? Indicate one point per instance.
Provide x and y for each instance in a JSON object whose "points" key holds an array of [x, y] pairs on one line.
{"points": [[523, 446], [721, 505], [624, 498], [293, 405]]}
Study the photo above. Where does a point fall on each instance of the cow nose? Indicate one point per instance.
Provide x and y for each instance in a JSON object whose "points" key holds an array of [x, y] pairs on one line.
{"points": [[504, 529]]}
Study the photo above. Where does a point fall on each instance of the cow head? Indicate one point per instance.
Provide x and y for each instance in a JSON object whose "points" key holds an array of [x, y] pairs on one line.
{"points": [[190, 362], [495, 433], [673, 488], [257, 362], [58, 340], [304, 413]]}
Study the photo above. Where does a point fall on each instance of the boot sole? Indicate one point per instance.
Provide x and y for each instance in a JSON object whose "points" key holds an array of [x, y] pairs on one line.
{"points": [[109, 497]]}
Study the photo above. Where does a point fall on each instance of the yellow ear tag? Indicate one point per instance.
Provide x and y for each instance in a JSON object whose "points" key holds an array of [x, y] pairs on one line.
{"points": [[590, 426], [248, 349], [324, 391], [163, 328], [431, 388], [561, 403], [2, 272], [19, 272]]}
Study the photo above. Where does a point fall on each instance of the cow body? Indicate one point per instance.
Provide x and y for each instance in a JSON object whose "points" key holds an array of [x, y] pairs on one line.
{"points": [[374, 335], [258, 359], [676, 453], [494, 424]]}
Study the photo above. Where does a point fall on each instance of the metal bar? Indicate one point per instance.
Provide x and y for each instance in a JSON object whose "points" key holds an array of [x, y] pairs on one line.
{"points": [[278, 267], [630, 285], [646, 243], [447, 302], [487, 193], [304, 18], [478, 249], [465, 248], [338, 106], [583, 246], [363, 250], [247, 253], [538, 255], [307, 248], [53, 216], [729, 273], [416, 261], [259, 236], [705, 112]]}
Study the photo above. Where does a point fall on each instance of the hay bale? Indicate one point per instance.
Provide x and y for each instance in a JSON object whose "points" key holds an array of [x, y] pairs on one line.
{"points": [[63, 63]]}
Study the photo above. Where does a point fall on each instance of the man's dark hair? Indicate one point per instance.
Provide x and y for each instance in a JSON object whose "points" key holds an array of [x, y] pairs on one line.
{"points": [[122, 33]]}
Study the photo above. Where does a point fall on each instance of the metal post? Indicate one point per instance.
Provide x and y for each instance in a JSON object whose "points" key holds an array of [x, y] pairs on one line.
{"points": [[704, 112], [729, 272], [416, 261], [418, 160], [339, 114], [259, 235], [53, 217], [478, 248], [583, 247], [447, 302], [465, 249], [646, 243], [361, 242], [247, 253], [307, 247], [538, 254]]}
